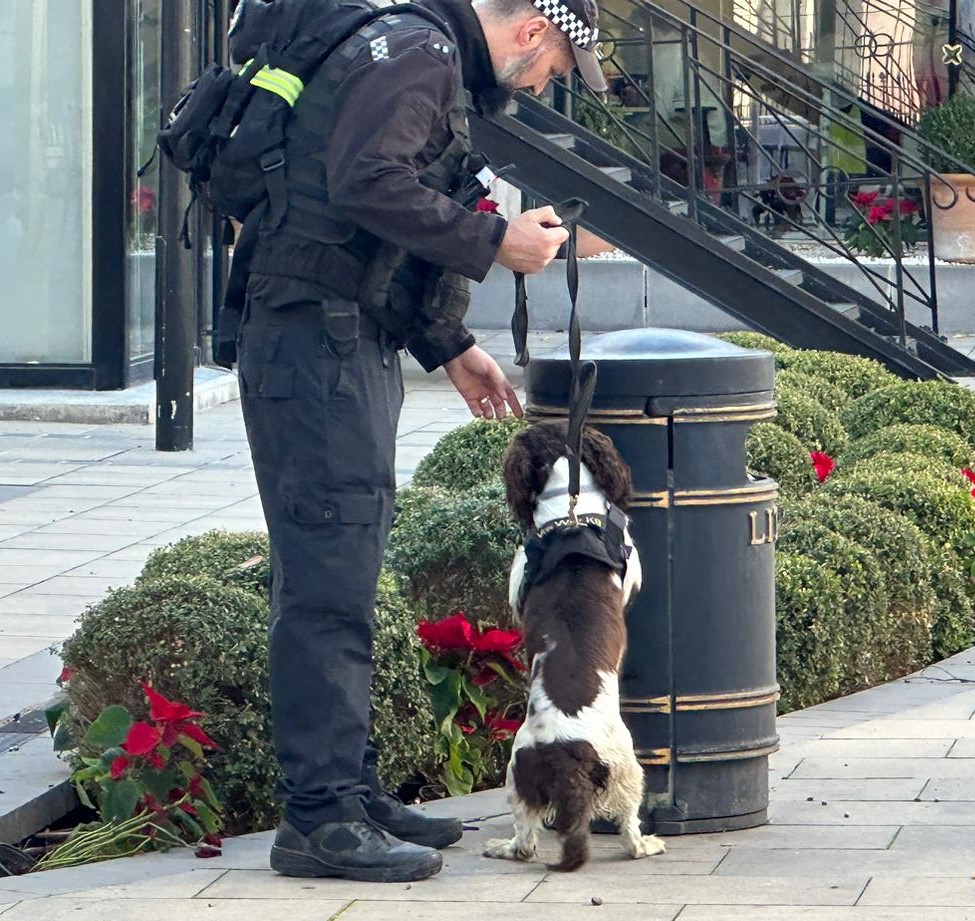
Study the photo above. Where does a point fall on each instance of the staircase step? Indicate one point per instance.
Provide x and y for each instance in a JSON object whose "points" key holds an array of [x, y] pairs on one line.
{"points": [[733, 241], [848, 310], [677, 206], [794, 276], [565, 141], [622, 173]]}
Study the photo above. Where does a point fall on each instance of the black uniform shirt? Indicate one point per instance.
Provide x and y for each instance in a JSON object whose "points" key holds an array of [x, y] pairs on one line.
{"points": [[390, 120]]}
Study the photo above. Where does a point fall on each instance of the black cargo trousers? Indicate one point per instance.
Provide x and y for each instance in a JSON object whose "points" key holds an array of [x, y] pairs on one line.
{"points": [[321, 393]]}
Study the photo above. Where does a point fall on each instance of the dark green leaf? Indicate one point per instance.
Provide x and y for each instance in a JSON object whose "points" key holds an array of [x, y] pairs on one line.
{"points": [[83, 796], [119, 799], [110, 729], [54, 713], [208, 817]]}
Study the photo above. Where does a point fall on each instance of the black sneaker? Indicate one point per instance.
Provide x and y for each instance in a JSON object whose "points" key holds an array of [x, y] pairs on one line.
{"points": [[351, 850], [406, 823]]}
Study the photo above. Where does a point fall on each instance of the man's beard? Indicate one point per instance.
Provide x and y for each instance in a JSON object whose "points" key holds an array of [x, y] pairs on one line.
{"points": [[507, 78]]}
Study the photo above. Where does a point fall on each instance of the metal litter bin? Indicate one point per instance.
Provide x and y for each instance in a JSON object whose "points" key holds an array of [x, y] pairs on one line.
{"points": [[698, 687]]}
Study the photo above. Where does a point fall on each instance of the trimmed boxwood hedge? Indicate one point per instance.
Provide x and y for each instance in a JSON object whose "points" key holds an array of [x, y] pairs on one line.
{"points": [[453, 550], [865, 601], [749, 340], [853, 374], [827, 395], [930, 441], [810, 630], [468, 456], [815, 426], [773, 452], [940, 403], [204, 641]]}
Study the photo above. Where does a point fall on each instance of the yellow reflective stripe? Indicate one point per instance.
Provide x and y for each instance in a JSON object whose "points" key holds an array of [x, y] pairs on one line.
{"points": [[284, 84]]}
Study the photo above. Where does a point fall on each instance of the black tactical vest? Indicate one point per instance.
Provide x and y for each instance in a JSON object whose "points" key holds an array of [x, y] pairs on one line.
{"points": [[309, 239]]}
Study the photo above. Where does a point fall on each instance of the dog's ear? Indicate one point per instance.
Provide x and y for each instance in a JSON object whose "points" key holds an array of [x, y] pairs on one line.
{"points": [[608, 469], [524, 478]]}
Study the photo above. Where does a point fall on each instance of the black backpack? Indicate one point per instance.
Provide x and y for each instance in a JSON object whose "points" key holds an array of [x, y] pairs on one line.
{"points": [[227, 132]]}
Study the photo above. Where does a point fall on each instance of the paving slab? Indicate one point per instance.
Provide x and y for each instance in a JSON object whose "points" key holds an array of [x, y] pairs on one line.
{"points": [[920, 891], [71, 908]]}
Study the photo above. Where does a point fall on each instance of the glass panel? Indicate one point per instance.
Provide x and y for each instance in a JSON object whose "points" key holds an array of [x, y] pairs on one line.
{"points": [[45, 181], [143, 121]]}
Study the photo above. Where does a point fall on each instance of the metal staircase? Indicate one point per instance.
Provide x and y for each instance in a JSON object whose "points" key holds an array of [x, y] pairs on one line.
{"points": [[673, 182]]}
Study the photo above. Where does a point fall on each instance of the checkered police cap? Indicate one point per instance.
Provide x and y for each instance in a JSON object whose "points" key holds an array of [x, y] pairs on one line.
{"points": [[578, 19]]}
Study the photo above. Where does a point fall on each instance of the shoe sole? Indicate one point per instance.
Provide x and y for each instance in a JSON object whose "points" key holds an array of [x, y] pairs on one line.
{"points": [[295, 863], [444, 839]]}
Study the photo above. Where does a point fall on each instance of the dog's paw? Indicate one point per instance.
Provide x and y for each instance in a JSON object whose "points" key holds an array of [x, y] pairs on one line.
{"points": [[505, 849], [648, 845]]}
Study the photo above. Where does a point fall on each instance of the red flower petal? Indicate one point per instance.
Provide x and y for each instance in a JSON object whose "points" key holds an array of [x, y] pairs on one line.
{"points": [[485, 204], [197, 734], [142, 739], [822, 463], [156, 760], [876, 214], [968, 474], [501, 728], [484, 677], [865, 198], [118, 767], [170, 735], [188, 809], [208, 851], [500, 641], [455, 632], [165, 710], [67, 673]]}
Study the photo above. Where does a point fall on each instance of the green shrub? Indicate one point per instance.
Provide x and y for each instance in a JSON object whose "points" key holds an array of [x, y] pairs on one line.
{"points": [[938, 403], [815, 426], [853, 374], [931, 494], [200, 642], [865, 604], [954, 615], [453, 551], [810, 636], [931, 441], [240, 558], [908, 567], [759, 341], [774, 452], [827, 395], [468, 456], [403, 725], [951, 128]]}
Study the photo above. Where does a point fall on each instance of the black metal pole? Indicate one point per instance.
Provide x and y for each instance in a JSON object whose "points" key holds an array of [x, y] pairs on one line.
{"points": [[954, 71], [176, 309]]}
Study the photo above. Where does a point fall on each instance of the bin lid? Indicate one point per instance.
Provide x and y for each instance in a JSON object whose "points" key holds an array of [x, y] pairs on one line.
{"points": [[656, 363]]}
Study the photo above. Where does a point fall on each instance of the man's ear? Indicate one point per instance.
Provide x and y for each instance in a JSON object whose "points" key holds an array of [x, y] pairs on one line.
{"points": [[534, 31]]}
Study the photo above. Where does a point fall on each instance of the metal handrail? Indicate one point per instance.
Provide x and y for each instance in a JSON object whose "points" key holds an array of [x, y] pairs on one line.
{"points": [[729, 68]]}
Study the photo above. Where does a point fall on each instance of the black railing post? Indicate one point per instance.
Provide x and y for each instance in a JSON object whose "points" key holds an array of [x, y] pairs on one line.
{"points": [[932, 256], [697, 114], [895, 176], [651, 95], [690, 141], [176, 349], [730, 129]]}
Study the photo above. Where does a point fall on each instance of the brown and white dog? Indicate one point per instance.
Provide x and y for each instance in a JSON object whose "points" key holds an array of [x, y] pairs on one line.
{"points": [[573, 756]]}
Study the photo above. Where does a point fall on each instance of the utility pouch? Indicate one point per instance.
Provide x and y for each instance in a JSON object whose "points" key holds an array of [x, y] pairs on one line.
{"points": [[342, 327]]}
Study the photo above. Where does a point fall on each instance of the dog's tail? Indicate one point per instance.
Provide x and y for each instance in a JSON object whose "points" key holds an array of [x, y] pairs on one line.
{"points": [[577, 775]]}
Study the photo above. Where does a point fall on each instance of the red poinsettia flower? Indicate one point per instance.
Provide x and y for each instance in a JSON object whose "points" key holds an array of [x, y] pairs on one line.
{"points": [[197, 734], [970, 476], [500, 727], [485, 204], [143, 199], [485, 677], [156, 760], [876, 214], [142, 739], [909, 207], [822, 463], [499, 641], [67, 673], [118, 767], [165, 710], [207, 851], [862, 199], [455, 632]]}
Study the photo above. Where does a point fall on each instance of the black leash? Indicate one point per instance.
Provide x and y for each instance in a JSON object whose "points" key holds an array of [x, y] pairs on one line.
{"points": [[583, 375]]}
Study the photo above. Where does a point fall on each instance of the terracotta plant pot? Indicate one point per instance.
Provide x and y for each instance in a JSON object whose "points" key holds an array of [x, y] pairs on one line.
{"points": [[953, 217]]}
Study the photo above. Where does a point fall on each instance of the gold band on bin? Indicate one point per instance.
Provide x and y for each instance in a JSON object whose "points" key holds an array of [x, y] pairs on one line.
{"points": [[597, 416], [751, 412], [763, 491], [733, 700]]}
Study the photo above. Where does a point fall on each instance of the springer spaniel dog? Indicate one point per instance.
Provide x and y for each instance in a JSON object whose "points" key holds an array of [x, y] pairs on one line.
{"points": [[573, 757]]}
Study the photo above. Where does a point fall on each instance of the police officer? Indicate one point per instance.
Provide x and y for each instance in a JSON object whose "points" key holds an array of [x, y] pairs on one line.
{"points": [[369, 249]]}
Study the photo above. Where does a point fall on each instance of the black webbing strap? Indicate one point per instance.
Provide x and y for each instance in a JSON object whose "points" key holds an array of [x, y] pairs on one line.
{"points": [[583, 375]]}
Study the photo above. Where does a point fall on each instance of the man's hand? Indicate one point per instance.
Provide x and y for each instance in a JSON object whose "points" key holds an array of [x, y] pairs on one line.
{"points": [[482, 384], [531, 240]]}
